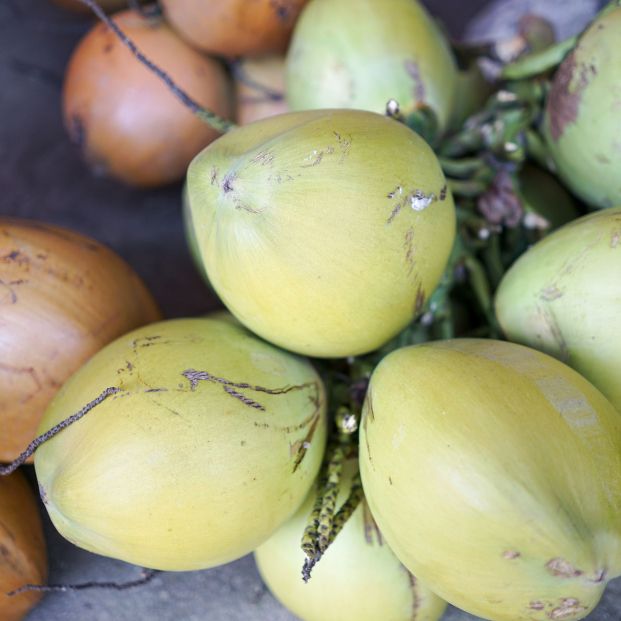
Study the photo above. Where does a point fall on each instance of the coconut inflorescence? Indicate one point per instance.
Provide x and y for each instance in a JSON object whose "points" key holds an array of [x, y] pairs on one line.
{"points": [[123, 118], [63, 297], [358, 579], [325, 231]]}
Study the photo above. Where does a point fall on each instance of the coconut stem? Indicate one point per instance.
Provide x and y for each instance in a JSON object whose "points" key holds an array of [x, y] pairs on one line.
{"points": [[39, 440], [211, 118], [240, 75], [145, 578]]}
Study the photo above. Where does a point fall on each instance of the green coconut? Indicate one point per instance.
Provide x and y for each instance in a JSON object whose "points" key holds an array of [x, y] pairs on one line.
{"points": [[212, 441], [563, 297], [494, 473], [582, 122], [323, 231], [362, 53], [357, 579]]}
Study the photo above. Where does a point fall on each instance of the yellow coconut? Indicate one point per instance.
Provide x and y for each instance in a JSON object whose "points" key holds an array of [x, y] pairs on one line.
{"points": [[324, 231], [211, 443], [494, 473]]}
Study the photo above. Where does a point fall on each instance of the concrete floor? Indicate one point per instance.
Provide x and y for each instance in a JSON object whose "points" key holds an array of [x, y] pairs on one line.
{"points": [[42, 177]]}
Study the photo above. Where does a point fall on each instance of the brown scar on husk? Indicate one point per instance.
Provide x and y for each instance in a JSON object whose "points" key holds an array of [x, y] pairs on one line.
{"points": [[415, 598], [536, 605], [615, 239], [263, 158], [511, 554], [419, 302], [146, 341], [562, 568], [568, 608], [566, 94], [408, 244]]}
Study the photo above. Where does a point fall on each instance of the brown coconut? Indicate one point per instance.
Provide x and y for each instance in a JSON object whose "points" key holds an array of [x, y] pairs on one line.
{"points": [[23, 557], [235, 27], [124, 118], [62, 298]]}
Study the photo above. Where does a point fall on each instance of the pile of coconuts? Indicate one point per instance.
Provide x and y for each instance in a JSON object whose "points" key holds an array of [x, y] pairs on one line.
{"points": [[412, 395]]}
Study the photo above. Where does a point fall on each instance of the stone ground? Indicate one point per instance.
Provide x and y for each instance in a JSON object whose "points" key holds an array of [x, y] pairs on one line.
{"points": [[42, 177]]}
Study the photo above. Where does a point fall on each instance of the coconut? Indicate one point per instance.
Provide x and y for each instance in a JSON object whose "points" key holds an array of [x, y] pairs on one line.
{"points": [[211, 441], [582, 122], [23, 557], [63, 297], [362, 53], [494, 473], [324, 231], [563, 297], [126, 122]]}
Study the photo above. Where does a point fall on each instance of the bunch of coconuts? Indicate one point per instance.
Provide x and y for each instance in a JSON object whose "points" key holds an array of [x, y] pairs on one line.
{"points": [[477, 471]]}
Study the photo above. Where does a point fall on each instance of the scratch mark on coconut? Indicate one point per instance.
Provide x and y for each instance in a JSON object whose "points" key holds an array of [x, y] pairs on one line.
{"points": [[415, 597], [419, 301], [8, 559], [615, 238], [416, 199], [147, 341], [569, 607], [30, 371], [562, 568], [536, 605], [408, 244], [344, 143], [566, 94], [213, 178], [511, 554], [550, 293], [8, 297], [162, 405], [233, 389], [413, 70], [554, 331], [263, 158]]}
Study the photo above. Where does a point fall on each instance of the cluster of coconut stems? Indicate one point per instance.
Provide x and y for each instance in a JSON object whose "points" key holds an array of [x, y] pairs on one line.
{"points": [[482, 162]]}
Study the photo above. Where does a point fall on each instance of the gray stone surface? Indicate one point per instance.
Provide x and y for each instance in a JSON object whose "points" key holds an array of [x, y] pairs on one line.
{"points": [[42, 177]]}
